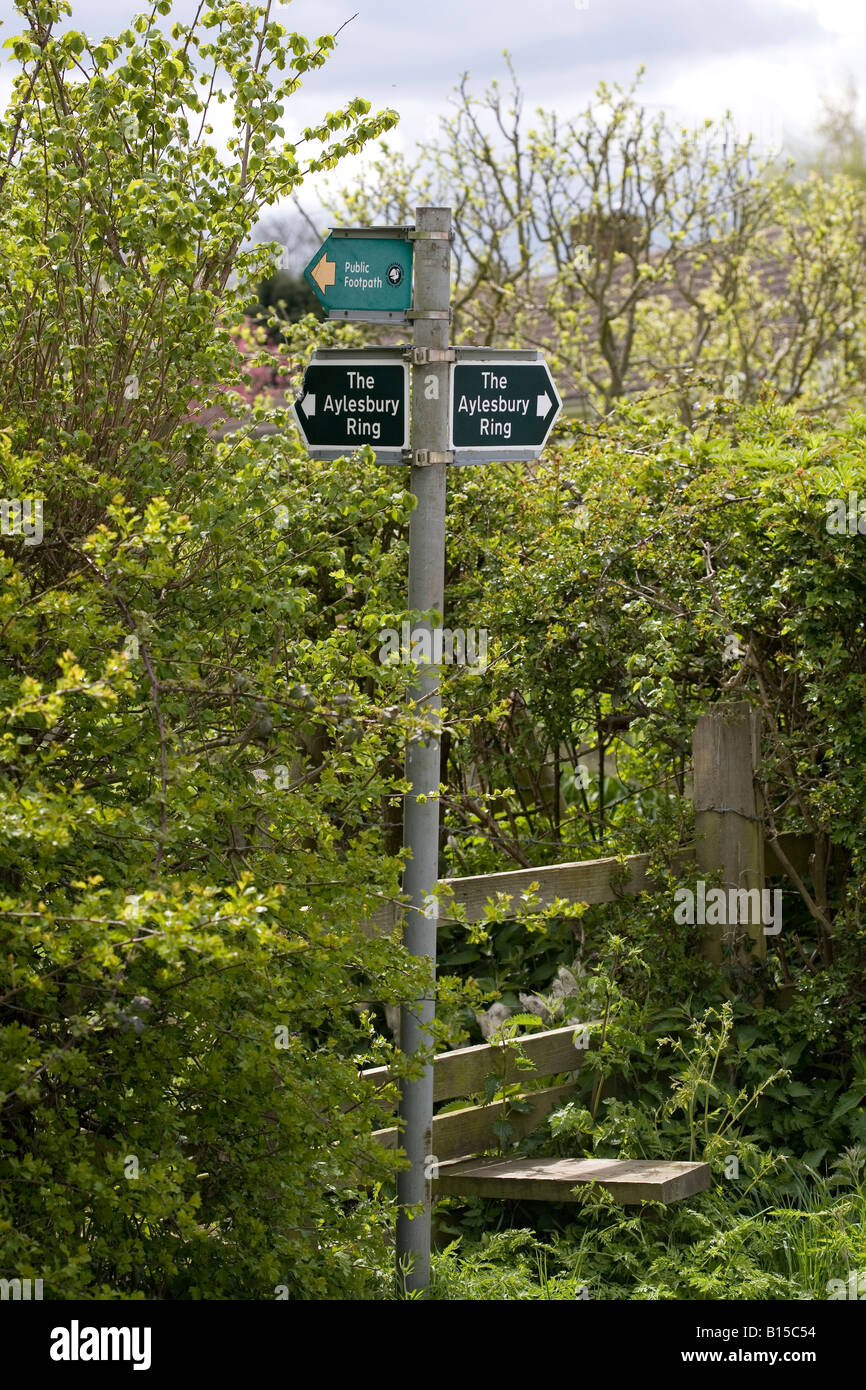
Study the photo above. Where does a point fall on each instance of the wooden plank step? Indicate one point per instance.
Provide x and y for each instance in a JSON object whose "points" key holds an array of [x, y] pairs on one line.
{"points": [[458, 1133], [464, 1071], [553, 1179]]}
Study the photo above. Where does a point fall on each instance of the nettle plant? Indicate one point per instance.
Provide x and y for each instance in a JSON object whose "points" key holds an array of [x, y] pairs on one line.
{"points": [[194, 743]]}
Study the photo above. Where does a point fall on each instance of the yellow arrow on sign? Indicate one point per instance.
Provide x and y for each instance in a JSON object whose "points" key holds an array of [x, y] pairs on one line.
{"points": [[324, 273]]}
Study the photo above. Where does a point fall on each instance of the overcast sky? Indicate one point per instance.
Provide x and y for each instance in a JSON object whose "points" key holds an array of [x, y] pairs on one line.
{"points": [[768, 60]]}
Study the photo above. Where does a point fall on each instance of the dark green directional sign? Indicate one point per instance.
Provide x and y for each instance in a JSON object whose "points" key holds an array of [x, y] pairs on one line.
{"points": [[363, 273], [353, 399], [501, 407]]}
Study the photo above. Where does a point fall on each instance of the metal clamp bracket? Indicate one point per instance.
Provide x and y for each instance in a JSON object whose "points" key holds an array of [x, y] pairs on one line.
{"points": [[429, 236], [421, 356], [424, 458], [445, 314], [406, 233]]}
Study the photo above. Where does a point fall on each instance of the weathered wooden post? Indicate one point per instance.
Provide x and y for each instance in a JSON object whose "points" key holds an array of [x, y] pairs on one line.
{"points": [[729, 830]]}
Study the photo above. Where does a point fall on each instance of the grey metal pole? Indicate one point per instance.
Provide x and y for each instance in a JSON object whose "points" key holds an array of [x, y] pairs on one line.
{"points": [[429, 440]]}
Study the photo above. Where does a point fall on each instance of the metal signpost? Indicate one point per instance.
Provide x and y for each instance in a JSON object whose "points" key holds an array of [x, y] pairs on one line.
{"points": [[469, 405], [429, 457]]}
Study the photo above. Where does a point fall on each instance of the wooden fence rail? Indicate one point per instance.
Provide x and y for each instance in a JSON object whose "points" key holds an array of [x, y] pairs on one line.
{"points": [[730, 839], [587, 881]]}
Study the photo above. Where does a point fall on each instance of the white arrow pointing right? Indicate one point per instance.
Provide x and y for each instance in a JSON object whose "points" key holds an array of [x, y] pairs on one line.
{"points": [[543, 404], [308, 404]]}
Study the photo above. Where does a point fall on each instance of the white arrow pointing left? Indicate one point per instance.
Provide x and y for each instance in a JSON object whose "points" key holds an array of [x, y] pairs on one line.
{"points": [[308, 404], [543, 404]]}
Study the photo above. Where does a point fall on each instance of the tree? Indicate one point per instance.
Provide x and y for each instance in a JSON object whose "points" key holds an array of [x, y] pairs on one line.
{"points": [[193, 747], [640, 256], [841, 144], [284, 296]]}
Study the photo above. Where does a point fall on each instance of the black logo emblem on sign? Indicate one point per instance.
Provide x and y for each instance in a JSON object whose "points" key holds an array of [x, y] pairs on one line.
{"points": [[395, 274]]}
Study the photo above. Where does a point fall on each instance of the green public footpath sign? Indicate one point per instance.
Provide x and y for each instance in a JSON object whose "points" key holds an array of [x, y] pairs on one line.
{"points": [[363, 275]]}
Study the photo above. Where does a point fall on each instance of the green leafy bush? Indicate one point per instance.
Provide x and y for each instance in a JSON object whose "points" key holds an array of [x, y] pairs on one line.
{"points": [[193, 753]]}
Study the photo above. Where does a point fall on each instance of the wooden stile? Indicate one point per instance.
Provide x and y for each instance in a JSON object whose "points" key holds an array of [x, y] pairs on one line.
{"points": [[589, 881], [460, 1136], [460, 1133], [730, 835], [730, 839]]}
